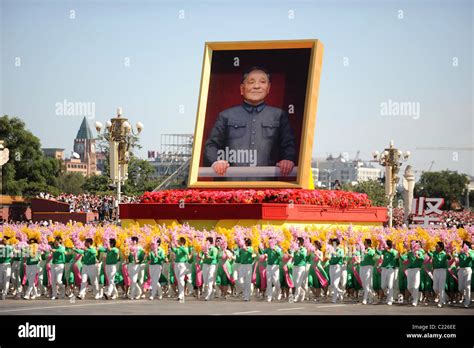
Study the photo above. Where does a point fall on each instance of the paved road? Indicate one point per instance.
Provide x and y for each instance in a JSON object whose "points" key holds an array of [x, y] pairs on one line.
{"points": [[216, 307]]}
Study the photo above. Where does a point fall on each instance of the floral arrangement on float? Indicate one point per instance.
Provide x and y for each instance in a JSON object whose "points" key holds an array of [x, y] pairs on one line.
{"points": [[336, 199], [352, 238]]}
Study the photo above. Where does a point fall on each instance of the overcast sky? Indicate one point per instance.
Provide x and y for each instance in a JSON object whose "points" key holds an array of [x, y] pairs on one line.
{"points": [[146, 56]]}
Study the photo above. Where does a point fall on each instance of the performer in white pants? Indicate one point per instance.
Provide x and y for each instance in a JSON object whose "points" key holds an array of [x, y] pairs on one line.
{"points": [[32, 268], [236, 273], [181, 270], [57, 268], [6, 254], [389, 270], [416, 257], [336, 261], [273, 255], [366, 270], [156, 258], [440, 270], [112, 259], [136, 269], [90, 269], [245, 273], [209, 268], [466, 259], [299, 270], [15, 275]]}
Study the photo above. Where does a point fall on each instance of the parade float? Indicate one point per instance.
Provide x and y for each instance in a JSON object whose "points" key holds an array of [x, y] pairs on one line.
{"points": [[254, 192]]}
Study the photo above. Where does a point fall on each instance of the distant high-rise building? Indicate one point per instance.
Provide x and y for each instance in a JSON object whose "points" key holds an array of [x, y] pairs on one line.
{"points": [[344, 170]]}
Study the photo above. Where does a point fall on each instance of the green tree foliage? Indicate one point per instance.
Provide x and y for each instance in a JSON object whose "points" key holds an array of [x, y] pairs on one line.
{"points": [[71, 183], [446, 184], [140, 177], [97, 184], [374, 189], [28, 171]]}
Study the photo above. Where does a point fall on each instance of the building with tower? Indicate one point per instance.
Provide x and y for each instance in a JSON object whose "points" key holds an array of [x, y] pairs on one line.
{"points": [[84, 158]]}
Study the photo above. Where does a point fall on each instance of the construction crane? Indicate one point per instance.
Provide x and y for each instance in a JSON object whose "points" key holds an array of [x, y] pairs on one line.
{"points": [[431, 166]]}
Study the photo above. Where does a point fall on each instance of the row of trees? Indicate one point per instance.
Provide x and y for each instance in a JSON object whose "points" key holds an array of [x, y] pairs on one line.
{"points": [[449, 185]]}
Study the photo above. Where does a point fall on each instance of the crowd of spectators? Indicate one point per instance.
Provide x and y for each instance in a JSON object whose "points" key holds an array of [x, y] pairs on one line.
{"points": [[104, 205]]}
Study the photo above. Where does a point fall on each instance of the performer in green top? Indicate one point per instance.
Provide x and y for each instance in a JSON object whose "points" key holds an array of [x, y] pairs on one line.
{"points": [[416, 257], [111, 267], [466, 260], [156, 258], [245, 273], [16, 272], [135, 269], [389, 265], [89, 269], [32, 268], [366, 270], [224, 277], [273, 255], [68, 272], [354, 283], [299, 270], [57, 268], [6, 253], [317, 279], [182, 256], [440, 269], [209, 268], [335, 269]]}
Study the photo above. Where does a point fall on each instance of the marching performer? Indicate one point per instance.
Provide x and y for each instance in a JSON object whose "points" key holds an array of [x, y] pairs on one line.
{"points": [[416, 257], [299, 270], [225, 278], [57, 268], [182, 257], [466, 257], [6, 254], [286, 278], [317, 279], [112, 259], [209, 267], [245, 273], [239, 287], [389, 268], [335, 270], [440, 270], [156, 258], [90, 270], [32, 269], [354, 281], [273, 255], [16, 273], [366, 270], [136, 269], [69, 273]]}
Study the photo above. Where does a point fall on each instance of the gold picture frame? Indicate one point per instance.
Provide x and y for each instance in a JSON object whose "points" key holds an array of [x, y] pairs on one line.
{"points": [[303, 178]]}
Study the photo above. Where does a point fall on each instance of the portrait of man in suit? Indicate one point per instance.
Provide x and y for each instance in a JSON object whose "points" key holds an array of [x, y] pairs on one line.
{"points": [[252, 133]]}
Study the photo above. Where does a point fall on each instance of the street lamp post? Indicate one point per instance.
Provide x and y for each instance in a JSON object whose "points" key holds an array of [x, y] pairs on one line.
{"points": [[392, 159], [119, 133]]}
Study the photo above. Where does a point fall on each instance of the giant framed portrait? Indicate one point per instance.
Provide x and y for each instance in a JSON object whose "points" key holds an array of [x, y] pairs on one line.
{"points": [[256, 114]]}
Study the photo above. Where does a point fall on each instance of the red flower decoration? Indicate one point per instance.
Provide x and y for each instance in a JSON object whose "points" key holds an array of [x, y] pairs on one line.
{"points": [[335, 199]]}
